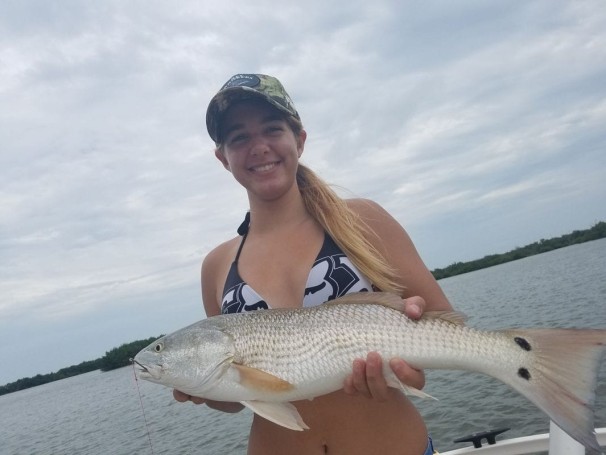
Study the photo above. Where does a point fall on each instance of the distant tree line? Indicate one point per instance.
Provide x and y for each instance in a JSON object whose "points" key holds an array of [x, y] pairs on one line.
{"points": [[115, 358], [598, 231]]}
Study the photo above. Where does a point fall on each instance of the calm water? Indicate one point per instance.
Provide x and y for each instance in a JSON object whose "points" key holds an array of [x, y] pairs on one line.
{"points": [[100, 413]]}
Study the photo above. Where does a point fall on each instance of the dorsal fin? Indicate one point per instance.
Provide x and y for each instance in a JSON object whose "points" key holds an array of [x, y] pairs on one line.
{"points": [[371, 298], [395, 302], [454, 317]]}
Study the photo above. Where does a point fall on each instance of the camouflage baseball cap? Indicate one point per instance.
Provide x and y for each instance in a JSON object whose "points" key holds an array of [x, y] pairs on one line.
{"points": [[246, 86]]}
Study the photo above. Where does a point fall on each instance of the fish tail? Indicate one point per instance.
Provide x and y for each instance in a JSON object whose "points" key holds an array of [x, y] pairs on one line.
{"points": [[559, 375]]}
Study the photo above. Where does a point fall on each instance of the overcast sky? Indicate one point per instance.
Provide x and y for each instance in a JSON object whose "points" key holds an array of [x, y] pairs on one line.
{"points": [[481, 126]]}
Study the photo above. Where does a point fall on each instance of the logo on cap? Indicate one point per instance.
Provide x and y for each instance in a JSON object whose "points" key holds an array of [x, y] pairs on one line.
{"points": [[242, 80]]}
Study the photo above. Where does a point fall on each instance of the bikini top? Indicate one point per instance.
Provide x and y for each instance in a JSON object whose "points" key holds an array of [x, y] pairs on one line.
{"points": [[332, 275]]}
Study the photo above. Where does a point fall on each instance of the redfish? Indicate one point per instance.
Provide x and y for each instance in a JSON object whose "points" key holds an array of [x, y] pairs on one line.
{"points": [[266, 359]]}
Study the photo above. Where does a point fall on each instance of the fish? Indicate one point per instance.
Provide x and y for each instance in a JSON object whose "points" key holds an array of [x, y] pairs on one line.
{"points": [[266, 359]]}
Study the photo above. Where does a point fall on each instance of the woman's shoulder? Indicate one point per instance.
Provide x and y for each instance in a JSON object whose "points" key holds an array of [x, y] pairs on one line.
{"points": [[370, 211], [385, 229], [215, 267], [221, 253], [362, 204], [217, 262]]}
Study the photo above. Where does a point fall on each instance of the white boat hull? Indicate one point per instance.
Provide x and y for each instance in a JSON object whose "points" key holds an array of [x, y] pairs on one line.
{"points": [[532, 444]]}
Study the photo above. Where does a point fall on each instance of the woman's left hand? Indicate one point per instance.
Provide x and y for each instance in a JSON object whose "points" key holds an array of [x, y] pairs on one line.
{"points": [[367, 376]]}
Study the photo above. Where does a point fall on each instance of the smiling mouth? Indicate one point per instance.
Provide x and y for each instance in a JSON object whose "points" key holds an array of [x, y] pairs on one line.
{"points": [[264, 167]]}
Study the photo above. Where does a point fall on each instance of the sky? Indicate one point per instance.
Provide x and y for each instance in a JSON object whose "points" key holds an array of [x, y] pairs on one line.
{"points": [[480, 126]]}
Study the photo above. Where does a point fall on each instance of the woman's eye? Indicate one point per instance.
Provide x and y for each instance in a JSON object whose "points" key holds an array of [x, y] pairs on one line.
{"points": [[237, 138]]}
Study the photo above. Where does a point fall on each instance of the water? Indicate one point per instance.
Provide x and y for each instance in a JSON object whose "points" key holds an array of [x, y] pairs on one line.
{"points": [[100, 413]]}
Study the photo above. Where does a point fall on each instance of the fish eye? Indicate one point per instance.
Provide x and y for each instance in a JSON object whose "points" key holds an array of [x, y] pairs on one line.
{"points": [[159, 347]]}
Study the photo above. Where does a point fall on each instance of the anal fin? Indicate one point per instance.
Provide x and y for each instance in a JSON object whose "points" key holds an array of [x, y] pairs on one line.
{"points": [[284, 414]]}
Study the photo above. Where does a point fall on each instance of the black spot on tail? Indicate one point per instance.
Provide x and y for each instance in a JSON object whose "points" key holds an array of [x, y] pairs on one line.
{"points": [[523, 343], [524, 373]]}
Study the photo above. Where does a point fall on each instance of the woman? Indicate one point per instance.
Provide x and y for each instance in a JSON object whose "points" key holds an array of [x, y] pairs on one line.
{"points": [[300, 244]]}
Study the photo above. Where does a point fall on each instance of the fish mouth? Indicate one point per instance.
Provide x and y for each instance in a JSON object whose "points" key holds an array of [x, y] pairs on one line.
{"points": [[139, 367], [144, 371]]}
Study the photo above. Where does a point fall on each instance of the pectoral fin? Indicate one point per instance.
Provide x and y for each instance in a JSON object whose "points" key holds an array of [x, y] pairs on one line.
{"points": [[254, 378], [283, 414]]}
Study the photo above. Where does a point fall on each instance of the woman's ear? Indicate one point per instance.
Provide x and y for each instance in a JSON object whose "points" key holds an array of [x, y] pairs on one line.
{"points": [[301, 142], [221, 157]]}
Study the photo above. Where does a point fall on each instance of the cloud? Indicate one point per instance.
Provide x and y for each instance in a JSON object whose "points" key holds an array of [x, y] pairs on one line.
{"points": [[461, 119]]}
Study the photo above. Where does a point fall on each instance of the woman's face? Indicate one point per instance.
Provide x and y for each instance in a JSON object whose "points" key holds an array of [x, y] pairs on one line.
{"points": [[260, 149]]}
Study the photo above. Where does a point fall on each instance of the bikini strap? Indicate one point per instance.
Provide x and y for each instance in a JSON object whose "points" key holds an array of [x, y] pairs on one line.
{"points": [[243, 228], [243, 231]]}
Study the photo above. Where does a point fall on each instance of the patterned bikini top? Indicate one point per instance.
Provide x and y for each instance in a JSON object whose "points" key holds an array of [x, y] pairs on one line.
{"points": [[332, 275]]}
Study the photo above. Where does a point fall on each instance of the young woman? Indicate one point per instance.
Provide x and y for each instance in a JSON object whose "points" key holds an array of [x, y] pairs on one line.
{"points": [[301, 244]]}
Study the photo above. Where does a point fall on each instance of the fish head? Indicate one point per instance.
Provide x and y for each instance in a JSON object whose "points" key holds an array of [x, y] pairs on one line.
{"points": [[189, 360]]}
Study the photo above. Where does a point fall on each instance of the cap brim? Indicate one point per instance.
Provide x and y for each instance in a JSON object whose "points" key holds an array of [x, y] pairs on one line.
{"points": [[226, 98]]}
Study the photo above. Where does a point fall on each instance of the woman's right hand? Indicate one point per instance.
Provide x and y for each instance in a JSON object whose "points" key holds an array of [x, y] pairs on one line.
{"points": [[225, 406], [183, 397]]}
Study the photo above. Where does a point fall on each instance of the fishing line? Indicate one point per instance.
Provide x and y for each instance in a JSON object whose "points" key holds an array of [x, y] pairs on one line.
{"points": [[142, 408]]}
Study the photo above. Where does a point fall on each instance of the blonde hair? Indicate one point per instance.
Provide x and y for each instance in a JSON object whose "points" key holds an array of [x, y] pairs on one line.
{"points": [[346, 228], [343, 225]]}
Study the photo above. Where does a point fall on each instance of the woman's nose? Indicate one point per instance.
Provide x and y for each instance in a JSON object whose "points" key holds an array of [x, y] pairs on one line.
{"points": [[259, 146]]}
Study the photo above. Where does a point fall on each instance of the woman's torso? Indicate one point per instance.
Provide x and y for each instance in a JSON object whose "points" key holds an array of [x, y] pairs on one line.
{"points": [[339, 423]]}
